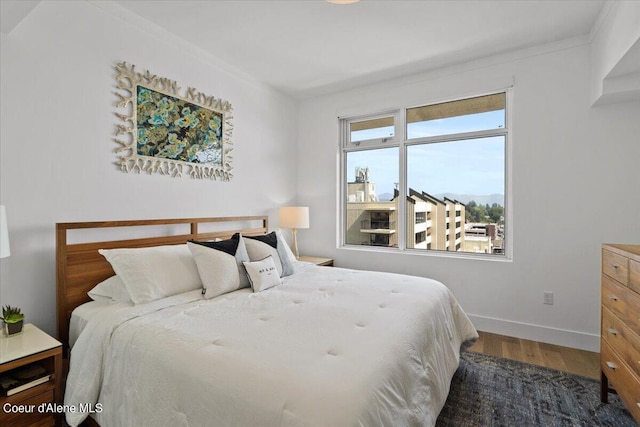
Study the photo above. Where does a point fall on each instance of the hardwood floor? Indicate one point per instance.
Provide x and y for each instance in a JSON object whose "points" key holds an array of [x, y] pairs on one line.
{"points": [[580, 362]]}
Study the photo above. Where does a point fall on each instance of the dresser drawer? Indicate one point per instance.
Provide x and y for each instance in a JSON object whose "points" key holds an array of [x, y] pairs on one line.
{"points": [[616, 266], [626, 384], [620, 338], [622, 302], [634, 275]]}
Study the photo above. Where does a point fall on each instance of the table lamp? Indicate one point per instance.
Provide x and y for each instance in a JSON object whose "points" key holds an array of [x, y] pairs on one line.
{"points": [[294, 217]]}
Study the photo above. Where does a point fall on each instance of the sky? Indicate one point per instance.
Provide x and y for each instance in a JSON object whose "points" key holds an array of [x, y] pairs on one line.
{"points": [[474, 166]]}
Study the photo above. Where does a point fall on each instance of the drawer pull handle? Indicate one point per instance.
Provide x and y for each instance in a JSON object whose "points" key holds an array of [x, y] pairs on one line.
{"points": [[612, 365], [612, 331], [613, 297], [614, 265]]}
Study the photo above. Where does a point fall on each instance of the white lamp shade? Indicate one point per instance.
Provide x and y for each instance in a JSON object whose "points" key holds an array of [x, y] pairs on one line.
{"points": [[294, 217], [4, 234]]}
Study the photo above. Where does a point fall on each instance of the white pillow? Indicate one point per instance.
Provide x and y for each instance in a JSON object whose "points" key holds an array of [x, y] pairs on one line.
{"points": [[272, 244], [262, 274], [156, 272], [220, 265], [287, 257], [110, 290], [259, 250]]}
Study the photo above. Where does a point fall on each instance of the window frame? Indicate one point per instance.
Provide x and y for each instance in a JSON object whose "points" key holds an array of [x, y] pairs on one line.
{"points": [[374, 142], [400, 140]]}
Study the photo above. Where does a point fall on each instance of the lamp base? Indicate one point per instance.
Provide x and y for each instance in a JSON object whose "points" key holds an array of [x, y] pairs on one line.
{"points": [[294, 244]]}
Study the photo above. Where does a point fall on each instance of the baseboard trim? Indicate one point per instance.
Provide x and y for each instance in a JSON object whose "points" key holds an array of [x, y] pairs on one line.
{"points": [[563, 337]]}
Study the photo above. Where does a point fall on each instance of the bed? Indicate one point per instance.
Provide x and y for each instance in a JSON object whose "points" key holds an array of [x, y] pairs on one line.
{"points": [[325, 347]]}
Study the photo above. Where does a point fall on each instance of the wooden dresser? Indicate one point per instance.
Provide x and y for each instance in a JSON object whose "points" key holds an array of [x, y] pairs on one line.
{"points": [[620, 334]]}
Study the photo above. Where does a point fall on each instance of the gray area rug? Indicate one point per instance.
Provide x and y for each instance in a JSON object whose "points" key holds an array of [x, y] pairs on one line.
{"points": [[491, 391]]}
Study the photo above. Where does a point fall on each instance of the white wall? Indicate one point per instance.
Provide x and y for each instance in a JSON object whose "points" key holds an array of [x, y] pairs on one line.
{"points": [[57, 125], [615, 53], [575, 185]]}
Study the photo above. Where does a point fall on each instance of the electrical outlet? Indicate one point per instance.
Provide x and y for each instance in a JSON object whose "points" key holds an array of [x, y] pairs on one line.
{"points": [[548, 298]]}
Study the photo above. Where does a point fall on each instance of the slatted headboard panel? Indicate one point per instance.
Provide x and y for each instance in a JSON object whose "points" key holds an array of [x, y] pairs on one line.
{"points": [[80, 267]]}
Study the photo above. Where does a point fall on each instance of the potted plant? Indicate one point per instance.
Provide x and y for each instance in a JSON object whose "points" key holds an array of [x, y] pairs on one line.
{"points": [[13, 319]]}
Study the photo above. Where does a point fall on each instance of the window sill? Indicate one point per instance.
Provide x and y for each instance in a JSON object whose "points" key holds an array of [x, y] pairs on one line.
{"points": [[427, 253]]}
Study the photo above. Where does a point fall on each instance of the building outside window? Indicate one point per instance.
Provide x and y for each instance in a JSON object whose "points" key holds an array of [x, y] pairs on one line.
{"points": [[450, 185]]}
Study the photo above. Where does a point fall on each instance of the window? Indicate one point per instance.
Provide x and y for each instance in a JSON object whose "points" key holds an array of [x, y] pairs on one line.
{"points": [[371, 182], [418, 178]]}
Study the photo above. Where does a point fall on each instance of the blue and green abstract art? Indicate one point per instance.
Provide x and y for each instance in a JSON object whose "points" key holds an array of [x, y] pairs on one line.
{"points": [[175, 129]]}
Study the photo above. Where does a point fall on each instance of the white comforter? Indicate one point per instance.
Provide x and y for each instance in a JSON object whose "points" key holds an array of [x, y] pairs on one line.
{"points": [[328, 347]]}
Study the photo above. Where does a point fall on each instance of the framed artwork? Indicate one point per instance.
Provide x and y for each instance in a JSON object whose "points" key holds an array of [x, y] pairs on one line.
{"points": [[169, 132]]}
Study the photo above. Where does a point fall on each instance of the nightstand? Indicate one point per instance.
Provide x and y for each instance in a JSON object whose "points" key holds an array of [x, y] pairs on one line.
{"points": [[31, 346], [317, 260]]}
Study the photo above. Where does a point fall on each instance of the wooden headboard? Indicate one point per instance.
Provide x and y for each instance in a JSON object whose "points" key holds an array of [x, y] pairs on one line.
{"points": [[80, 267]]}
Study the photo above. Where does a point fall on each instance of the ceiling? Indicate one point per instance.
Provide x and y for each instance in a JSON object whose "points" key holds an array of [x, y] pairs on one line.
{"points": [[311, 47]]}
